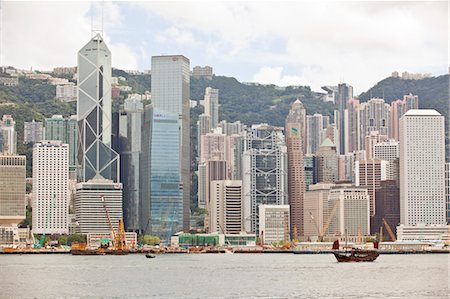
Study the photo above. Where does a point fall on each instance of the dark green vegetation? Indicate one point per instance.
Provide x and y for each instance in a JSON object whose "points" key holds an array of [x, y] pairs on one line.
{"points": [[433, 92]]}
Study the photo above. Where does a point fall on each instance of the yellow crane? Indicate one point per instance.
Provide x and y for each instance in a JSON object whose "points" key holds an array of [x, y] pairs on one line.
{"points": [[119, 236]]}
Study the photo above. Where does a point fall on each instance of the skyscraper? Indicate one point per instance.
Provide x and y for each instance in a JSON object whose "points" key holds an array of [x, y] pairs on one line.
{"points": [[345, 93], [12, 186], [327, 163], [264, 172], [56, 128], [212, 105], [166, 201], [32, 131], [296, 167], [375, 116], [422, 165], [171, 93], [9, 134], [96, 158], [314, 132], [130, 126], [226, 207], [98, 164], [50, 187]]}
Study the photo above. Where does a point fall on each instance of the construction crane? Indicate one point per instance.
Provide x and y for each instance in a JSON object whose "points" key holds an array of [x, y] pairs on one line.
{"points": [[119, 236], [389, 230]]}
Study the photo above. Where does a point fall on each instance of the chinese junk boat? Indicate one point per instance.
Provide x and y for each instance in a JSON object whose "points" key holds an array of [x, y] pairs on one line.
{"points": [[355, 254]]}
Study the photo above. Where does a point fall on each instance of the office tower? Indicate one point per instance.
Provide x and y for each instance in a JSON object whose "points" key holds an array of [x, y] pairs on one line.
{"points": [[387, 206], [238, 152], [388, 150], [314, 132], [351, 213], [166, 197], [226, 207], [93, 200], [12, 200], [370, 140], [170, 92], [296, 167], [411, 101], [203, 127], [32, 132], [313, 220], [327, 163], [211, 104], [96, 157], [56, 128], [331, 133], [310, 170], [447, 189], [12, 186], [344, 93], [50, 187], [273, 223], [213, 147], [130, 126], [71, 140], [398, 108], [375, 116], [352, 131], [369, 174], [264, 172], [346, 167], [422, 163], [65, 130], [9, 135]]}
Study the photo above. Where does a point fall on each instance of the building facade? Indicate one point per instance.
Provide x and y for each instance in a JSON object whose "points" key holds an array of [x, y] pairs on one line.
{"points": [[8, 135], [422, 168], [274, 223], [226, 207], [12, 186], [296, 168], [171, 93], [95, 155], [32, 132], [264, 172], [211, 103], [50, 187]]}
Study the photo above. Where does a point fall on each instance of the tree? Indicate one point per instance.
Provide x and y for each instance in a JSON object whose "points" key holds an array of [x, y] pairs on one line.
{"points": [[62, 240], [151, 240], [76, 238]]}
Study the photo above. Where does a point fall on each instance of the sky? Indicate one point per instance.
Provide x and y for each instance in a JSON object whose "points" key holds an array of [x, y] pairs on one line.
{"points": [[312, 43]]}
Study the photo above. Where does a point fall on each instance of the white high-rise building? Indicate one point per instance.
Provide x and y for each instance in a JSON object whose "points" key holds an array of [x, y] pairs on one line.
{"points": [[50, 187], [212, 105], [32, 132], [422, 162], [8, 135], [447, 190]]}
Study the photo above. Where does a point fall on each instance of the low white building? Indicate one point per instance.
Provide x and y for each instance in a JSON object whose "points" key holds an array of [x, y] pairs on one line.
{"points": [[274, 223], [423, 232]]}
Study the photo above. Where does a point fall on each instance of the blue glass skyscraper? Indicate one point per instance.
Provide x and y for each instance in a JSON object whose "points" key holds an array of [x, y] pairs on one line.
{"points": [[166, 204]]}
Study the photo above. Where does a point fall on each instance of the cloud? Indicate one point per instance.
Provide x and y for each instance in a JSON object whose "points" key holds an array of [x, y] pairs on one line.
{"points": [[274, 75], [43, 35], [359, 42], [176, 36]]}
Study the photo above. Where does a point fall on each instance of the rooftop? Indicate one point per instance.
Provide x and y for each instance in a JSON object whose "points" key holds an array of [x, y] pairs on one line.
{"points": [[422, 112]]}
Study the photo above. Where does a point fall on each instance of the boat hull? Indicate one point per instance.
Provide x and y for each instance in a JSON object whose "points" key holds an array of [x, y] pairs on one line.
{"points": [[356, 256]]}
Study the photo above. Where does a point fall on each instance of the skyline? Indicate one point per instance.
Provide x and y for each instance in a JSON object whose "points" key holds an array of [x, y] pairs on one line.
{"points": [[351, 42]]}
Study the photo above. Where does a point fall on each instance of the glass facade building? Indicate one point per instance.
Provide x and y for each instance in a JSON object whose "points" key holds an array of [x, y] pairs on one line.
{"points": [[95, 155], [166, 212]]}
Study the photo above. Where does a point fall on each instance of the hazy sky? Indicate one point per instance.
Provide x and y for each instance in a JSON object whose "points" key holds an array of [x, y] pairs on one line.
{"points": [[284, 43]]}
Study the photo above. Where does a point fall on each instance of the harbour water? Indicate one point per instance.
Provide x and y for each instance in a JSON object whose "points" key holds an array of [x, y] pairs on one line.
{"points": [[223, 276]]}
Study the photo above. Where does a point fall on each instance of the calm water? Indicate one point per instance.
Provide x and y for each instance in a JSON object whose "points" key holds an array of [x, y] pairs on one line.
{"points": [[223, 276]]}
